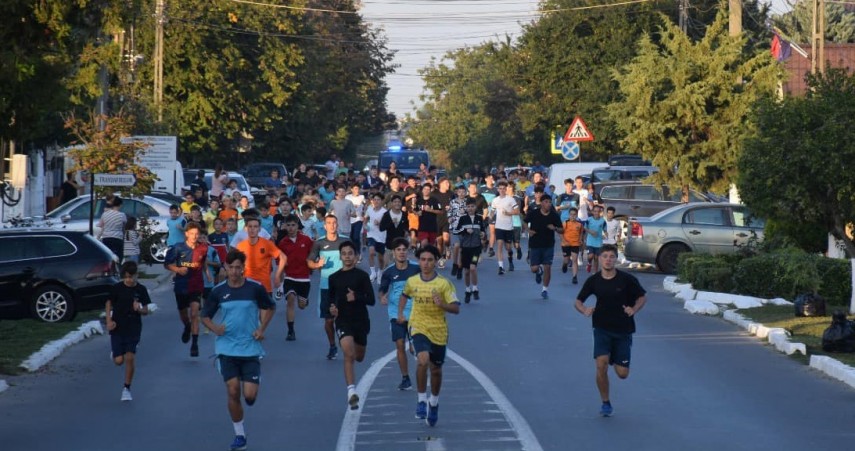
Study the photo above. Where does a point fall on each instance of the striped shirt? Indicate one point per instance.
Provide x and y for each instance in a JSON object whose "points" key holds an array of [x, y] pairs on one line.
{"points": [[113, 224], [132, 242]]}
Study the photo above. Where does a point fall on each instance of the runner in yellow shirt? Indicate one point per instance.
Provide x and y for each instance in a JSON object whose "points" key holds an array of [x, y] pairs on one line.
{"points": [[433, 296]]}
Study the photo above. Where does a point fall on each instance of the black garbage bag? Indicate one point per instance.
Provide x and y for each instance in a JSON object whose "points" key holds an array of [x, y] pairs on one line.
{"points": [[840, 336], [809, 304]]}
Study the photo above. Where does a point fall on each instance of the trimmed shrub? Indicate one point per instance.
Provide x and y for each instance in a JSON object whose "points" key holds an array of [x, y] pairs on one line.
{"points": [[686, 265], [835, 280], [783, 274], [713, 278]]}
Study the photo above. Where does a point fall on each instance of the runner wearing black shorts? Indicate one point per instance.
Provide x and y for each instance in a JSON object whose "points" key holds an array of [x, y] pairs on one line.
{"points": [[350, 294], [619, 297], [296, 246]]}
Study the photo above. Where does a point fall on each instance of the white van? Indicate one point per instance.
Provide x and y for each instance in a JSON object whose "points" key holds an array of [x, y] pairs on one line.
{"points": [[559, 172]]}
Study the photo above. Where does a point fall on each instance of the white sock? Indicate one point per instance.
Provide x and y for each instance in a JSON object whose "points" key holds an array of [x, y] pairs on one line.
{"points": [[474, 287], [351, 390], [501, 264], [239, 428], [544, 288], [423, 397], [434, 400], [468, 289]]}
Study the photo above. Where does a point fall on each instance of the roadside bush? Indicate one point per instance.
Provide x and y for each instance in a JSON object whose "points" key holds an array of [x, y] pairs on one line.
{"points": [[686, 265], [784, 274], [835, 277], [714, 276]]}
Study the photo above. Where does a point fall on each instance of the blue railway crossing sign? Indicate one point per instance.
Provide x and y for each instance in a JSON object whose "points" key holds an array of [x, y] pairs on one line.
{"points": [[570, 150]]}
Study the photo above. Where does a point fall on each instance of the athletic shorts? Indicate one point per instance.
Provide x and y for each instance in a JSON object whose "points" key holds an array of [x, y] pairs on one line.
{"points": [[567, 250], [122, 344], [442, 225], [421, 343], [505, 235], [357, 329], [378, 246], [469, 256], [429, 236], [183, 300], [399, 331], [541, 255], [299, 289], [517, 234], [594, 250], [455, 240], [618, 346], [206, 292], [325, 304], [246, 369]]}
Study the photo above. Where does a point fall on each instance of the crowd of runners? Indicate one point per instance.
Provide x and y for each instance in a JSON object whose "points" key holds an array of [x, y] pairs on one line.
{"points": [[231, 262]]}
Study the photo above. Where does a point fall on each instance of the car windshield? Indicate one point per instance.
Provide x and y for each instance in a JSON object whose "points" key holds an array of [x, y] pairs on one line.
{"points": [[241, 182], [261, 170], [404, 160]]}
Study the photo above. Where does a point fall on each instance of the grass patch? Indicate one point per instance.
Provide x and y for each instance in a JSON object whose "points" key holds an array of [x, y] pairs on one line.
{"points": [[22, 337], [803, 330]]}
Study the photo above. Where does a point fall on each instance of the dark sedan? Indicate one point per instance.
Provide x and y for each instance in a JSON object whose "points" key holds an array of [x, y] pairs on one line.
{"points": [[51, 275]]}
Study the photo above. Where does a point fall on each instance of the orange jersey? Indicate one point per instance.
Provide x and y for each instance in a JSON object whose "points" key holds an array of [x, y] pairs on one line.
{"points": [[228, 213], [572, 235], [259, 260]]}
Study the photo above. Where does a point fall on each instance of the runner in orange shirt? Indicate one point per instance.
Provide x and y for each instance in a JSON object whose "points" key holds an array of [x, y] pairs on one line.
{"points": [[571, 240], [260, 253]]}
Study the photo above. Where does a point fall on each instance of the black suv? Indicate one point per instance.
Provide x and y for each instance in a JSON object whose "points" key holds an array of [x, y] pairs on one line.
{"points": [[53, 274], [634, 199], [257, 173]]}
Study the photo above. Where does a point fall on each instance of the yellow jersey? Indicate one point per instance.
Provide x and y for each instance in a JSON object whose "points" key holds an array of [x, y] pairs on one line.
{"points": [[426, 318]]}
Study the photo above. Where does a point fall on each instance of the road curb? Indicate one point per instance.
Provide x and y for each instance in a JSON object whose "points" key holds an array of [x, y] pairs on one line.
{"points": [[776, 336], [3, 385], [55, 348]]}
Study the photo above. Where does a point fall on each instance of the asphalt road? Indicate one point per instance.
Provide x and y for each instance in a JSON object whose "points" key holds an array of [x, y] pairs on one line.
{"points": [[521, 377]]}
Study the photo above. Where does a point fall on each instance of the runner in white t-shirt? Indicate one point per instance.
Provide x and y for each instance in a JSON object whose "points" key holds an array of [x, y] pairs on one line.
{"points": [[614, 231], [584, 205], [505, 207], [376, 239]]}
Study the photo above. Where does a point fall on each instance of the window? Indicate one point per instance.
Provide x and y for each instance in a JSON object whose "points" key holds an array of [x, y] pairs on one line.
{"points": [[81, 212], [647, 192], [56, 246], [742, 217], [615, 192], [15, 248], [708, 216], [694, 196]]}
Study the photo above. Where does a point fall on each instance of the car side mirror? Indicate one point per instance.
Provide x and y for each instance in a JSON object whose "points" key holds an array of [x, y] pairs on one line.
{"points": [[65, 218]]}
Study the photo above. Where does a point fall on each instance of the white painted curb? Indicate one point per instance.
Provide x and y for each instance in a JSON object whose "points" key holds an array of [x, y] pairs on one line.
{"points": [[834, 368], [53, 349], [3, 386], [738, 300], [701, 307], [777, 336]]}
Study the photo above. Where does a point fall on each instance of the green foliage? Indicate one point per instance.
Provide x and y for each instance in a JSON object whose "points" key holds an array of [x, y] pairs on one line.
{"points": [[783, 274], [798, 22], [797, 166], [836, 276], [782, 233], [686, 105], [707, 272]]}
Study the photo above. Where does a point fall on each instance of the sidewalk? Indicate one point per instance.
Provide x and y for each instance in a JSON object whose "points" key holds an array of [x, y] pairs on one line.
{"points": [[162, 275]]}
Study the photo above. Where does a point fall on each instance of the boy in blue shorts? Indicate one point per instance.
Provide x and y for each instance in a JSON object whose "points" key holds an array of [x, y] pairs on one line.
{"points": [[391, 286], [595, 231]]}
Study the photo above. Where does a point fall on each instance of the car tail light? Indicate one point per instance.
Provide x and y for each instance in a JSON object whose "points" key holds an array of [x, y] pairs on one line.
{"points": [[637, 230], [105, 269]]}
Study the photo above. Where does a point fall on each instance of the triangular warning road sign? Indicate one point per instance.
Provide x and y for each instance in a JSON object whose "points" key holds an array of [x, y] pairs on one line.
{"points": [[578, 131]]}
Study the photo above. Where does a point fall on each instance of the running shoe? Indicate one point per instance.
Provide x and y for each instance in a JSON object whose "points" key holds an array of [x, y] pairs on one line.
{"points": [[538, 276], [333, 353], [291, 336], [467, 297], [126, 395], [519, 253], [421, 410], [353, 401], [544, 294], [460, 274], [564, 268], [432, 415], [185, 336], [441, 263], [606, 409], [239, 444], [476, 295], [405, 384], [194, 350], [491, 252], [575, 280], [501, 271], [278, 294]]}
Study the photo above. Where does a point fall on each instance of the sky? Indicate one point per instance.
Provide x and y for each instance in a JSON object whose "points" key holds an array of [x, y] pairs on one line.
{"points": [[422, 29]]}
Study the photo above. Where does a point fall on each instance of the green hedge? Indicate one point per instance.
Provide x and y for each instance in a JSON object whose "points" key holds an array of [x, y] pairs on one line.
{"points": [[785, 274]]}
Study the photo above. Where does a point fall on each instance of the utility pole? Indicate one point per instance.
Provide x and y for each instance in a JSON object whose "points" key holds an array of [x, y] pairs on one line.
{"points": [[158, 59], [817, 40], [735, 22], [684, 16]]}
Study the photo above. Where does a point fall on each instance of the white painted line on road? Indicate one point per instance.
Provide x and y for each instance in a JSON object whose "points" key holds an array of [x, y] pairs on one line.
{"points": [[347, 435], [518, 423], [435, 445]]}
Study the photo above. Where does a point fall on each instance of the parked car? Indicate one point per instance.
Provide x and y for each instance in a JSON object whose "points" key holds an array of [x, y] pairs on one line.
{"points": [[628, 160], [633, 198], [242, 185], [53, 274], [257, 173], [622, 173], [74, 215], [694, 227]]}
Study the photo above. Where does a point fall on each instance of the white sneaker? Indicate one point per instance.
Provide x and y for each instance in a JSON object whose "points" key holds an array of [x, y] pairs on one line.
{"points": [[441, 263], [126, 395]]}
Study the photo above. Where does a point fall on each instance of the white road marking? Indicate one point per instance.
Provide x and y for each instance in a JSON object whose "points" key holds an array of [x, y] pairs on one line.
{"points": [[518, 423], [350, 424]]}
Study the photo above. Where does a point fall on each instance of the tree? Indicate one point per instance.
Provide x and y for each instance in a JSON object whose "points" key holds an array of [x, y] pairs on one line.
{"points": [[686, 106], [796, 168], [798, 22], [104, 149]]}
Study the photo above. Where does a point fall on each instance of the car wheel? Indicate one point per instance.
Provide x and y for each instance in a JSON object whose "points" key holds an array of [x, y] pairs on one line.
{"points": [[667, 260], [157, 248], [52, 304]]}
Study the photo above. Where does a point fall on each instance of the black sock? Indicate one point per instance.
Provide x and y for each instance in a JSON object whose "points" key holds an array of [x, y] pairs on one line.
{"points": [[127, 386], [290, 326], [195, 339], [607, 402]]}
